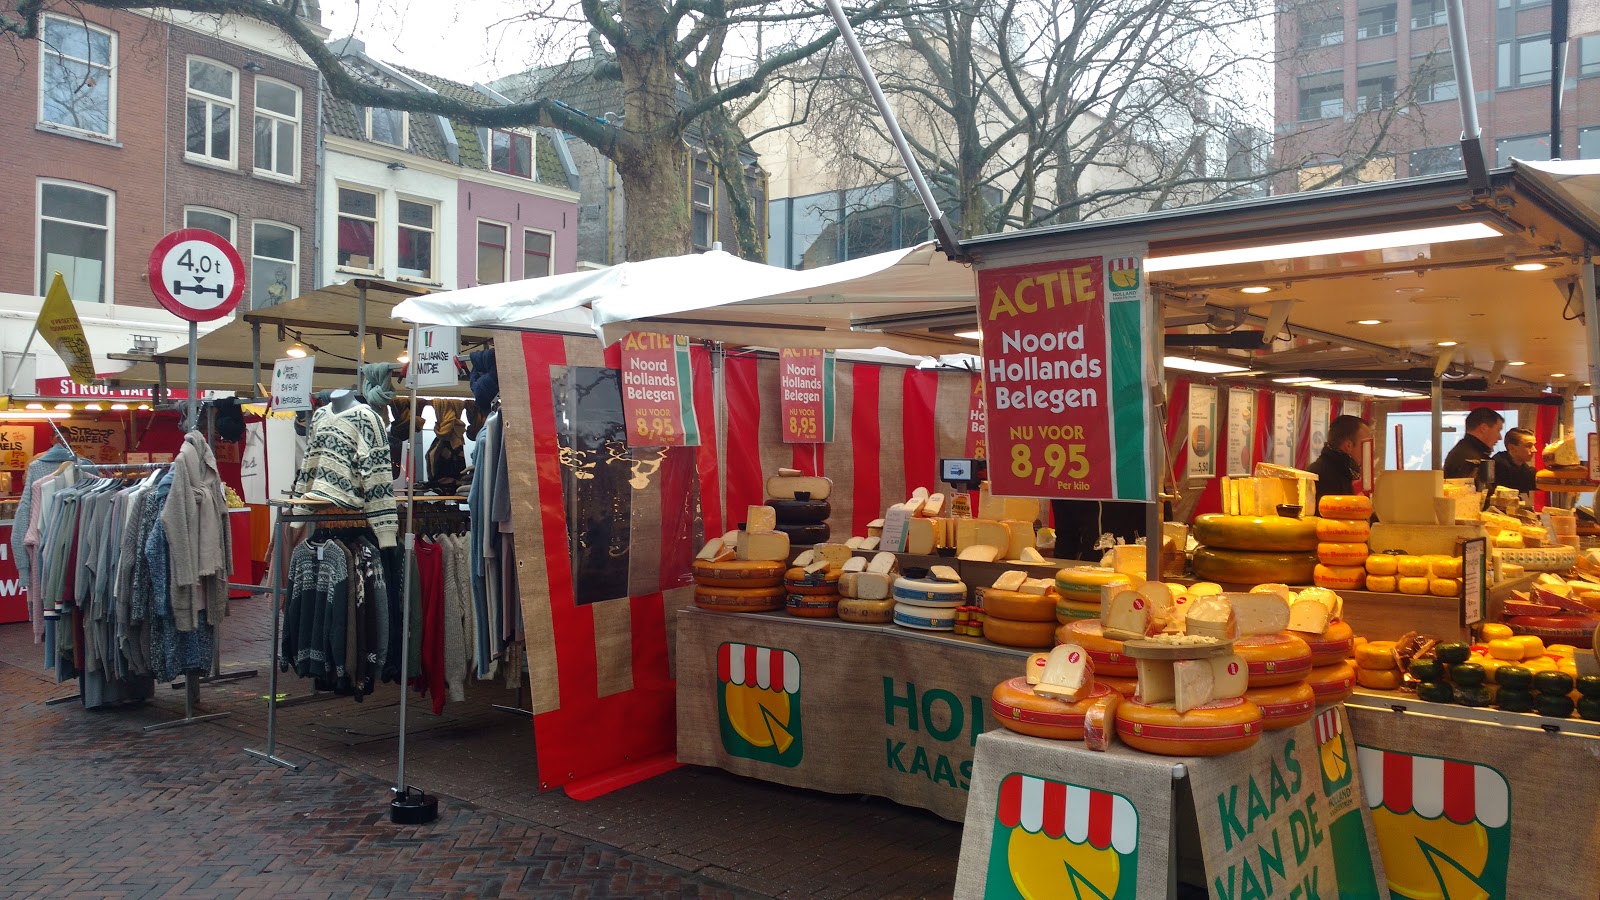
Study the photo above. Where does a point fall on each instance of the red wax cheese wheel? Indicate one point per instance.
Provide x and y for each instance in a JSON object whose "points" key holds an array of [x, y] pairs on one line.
{"points": [[1340, 578], [1344, 506], [1011, 633], [1247, 568], [1274, 659], [812, 606], [739, 599], [738, 573], [1020, 607], [1106, 652], [1574, 630], [1284, 706], [866, 612], [1342, 531], [1017, 707], [1223, 726], [1332, 684], [1333, 646], [1342, 554]]}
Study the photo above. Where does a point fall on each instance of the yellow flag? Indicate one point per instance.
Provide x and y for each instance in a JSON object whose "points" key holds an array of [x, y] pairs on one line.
{"points": [[58, 324]]}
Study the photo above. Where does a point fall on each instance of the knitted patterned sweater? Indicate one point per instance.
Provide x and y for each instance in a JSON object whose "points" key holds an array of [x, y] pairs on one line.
{"points": [[347, 463]]}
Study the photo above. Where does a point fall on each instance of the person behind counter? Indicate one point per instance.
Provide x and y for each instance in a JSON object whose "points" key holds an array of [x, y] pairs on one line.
{"points": [[1513, 466], [1483, 432], [1337, 467]]}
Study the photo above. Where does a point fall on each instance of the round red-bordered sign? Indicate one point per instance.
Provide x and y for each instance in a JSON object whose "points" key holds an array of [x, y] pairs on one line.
{"points": [[196, 275]]}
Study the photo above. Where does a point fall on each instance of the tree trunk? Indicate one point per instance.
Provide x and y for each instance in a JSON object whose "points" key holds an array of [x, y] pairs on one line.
{"points": [[651, 156], [723, 140]]}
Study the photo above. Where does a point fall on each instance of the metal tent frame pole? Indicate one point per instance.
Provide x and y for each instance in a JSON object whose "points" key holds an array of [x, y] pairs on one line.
{"points": [[408, 807], [280, 563]]}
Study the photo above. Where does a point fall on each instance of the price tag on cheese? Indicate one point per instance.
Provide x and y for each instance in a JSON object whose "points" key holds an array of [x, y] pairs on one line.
{"points": [[658, 391]]}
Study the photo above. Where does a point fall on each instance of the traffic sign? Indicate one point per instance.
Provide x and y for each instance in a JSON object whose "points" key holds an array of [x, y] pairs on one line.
{"points": [[196, 275]]}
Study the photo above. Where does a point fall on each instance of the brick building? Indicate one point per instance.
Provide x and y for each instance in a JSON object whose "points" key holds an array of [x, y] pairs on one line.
{"points": [[1348, 65]]}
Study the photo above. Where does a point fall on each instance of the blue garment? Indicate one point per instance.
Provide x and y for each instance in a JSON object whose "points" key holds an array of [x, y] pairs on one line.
{"points": [[172, 652]]}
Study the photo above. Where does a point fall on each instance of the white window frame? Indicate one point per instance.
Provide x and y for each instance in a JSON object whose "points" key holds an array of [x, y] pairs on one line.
{"points": [[45, 52], [377, 227], [277, 118], [434, 276], [294, 264], [524, 250], [232, 103], [109, 273], [405, 128], [477, 248], [233, 220]]}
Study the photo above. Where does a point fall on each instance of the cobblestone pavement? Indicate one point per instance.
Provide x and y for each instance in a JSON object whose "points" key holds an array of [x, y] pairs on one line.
{"points": [[96, 807]]}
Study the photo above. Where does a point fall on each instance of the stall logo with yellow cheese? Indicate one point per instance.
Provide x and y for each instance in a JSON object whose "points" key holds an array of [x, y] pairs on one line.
{"points": [[1443, 826], [1058, 840], [1124, 274], [758, 704]]}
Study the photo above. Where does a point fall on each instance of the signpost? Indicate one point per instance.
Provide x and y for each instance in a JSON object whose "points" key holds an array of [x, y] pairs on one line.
{"points": [[198, 277]]}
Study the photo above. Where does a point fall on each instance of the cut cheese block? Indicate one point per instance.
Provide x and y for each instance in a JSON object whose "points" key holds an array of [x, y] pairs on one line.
{"points": [[1100, 722], [1284, 706], [760, 518], [1014, 633], [1274, 658], [732, 537], [1126, 617], [1223, 726], [1020, 607], [1383, 584], [871, 586], [847, 583], [739, 599], [855, 542], [920, 493], [1332, 683], [1017, 708], [1211, 617], [1259, 613], [1339, 578], [1011, 580], [1156, 681], [980, 553], [866, 612], [944, 573], [1068, 674], [815, 566], [789, 487], [805, 558], [715, 549], [933, 506], [927, 592], [1332, 646], [875, 528], [1331, 554], [1330, 599], [1129, 559], [738, 573], [1037, 586], [941, 532], [870, 543], [920, 538], [1003, 508], [1230, 676], [1282, 590], [1034, 669], [883, 563], [1030, 555], [1204, 589], [971, 532], [913, 506], [834, 554], [763, 545], [1022, 538], [1341, 532], [854, 564], [925, 618], [1310, 616], [1191, 684], [1161, 600]]}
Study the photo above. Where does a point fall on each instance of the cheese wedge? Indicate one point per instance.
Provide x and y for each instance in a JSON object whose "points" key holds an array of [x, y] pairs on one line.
{"points": [[1022, 537], [1025, 509], [785, 487], [854, 564], [847, 584], [933, 506], [732, 537], [1068, 674], [1309, 616], [1326, 597], [818, 565], [835, 554], [1160, 597], [1211, 617], [1230, 676], [941, 532], [1259, 613], [920, 493], [870, 543], [919, 537], [763, 545], [980, 553], [944, 573], [1155, 681], [1011, 580], [806, 558], [760, 518], [1281, 590], [1034, 670], [875, 528], [785, 471], [1204, 589], [715, 550], [1100, 722], [882, 564], [1126, 617], [1191, 684], [1030, 555], [872, 586], [1037, 586], [855, 543], [913, 506]]}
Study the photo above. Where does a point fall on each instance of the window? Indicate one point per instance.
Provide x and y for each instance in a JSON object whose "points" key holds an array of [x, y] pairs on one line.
{"points": [[217, 222], [1436, 160], [1320, 176], [702, 221], [387, 126], [1375, 87], [358, 230], [1533, 146], [1523, 61], [274, 263], [1379, 168], [1321, 26], [1589, 143], [1589, 55], [538, 248], [77, 72], [416, 240], [511, 153], [213, 95], [1322, 96], [1427, 13], [1507, 4], [493, 238], [75, 240], [1375, 20], [1433, 77], [277, 129]]}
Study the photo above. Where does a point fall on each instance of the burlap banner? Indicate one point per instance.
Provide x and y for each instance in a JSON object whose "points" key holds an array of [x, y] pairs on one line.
{"points": [[831, 706]]}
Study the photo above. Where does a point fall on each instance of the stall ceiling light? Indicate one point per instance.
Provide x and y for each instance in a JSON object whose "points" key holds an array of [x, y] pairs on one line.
{"points": [[975, 335], [1558, 374], [1447, 343], [1529, 267], [1199, 365], [1440, 234], [31, 415], [1369, 321], [1255, 289], [1516, 362], [1294, 379]]}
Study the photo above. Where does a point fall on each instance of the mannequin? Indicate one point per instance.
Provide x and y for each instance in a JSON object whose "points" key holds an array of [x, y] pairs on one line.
{"points": [[341, 400]]}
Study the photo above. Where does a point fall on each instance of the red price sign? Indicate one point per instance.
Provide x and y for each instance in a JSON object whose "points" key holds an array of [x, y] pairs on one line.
{"points": [[1063, 373], [977, 422], [658, 391], [805, 378]]}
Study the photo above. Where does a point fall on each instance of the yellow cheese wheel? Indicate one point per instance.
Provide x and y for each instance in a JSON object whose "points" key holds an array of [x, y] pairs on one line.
{"points": [[1123, 686], [1505, 648], [1339, 578], [1383, 584], [1565, 651], [1378, 681], [1020, 607], [1083, 583], [1411, 566], [1332, 684], [866, 612], [1274, 659], [1257, 533], [738, 573], [1445, 566], [1381, 564], [1444, 587], [812, 606], [1532, 645], [1011, 633], [1410, 585], [1106, 652], [1344, 506], [1246, 567], [1375, 656], [738, 599], [1341, 554], [1490, 631], [1344, 531], [1073, 610], [1332, 646], [1016, 707], [1222, 726], [1284, 706]]}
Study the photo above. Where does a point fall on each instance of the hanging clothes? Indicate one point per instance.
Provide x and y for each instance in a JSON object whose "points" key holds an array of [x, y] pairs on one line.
{"points": [[195, 518], [447, 456]]}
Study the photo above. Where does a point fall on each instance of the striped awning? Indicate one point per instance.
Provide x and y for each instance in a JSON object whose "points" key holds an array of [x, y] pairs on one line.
{"points": [[761, 667], [1329, 725], [1066, 810], [1462, 792]]}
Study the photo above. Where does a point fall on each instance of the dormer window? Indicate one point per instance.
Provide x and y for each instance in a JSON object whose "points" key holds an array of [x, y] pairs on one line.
{"points": [[387, 126], [511, 153]]}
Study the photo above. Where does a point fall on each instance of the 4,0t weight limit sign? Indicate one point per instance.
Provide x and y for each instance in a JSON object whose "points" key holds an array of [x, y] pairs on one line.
{"points": [[196, 275]]}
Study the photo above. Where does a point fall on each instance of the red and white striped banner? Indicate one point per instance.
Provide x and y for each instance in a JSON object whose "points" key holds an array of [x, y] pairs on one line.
{"points": [[1462, 792], [1081, 815], [761, 667]]}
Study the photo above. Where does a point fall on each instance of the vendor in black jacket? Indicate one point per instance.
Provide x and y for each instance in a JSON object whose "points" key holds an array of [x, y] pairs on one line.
{"points": [[1513, 466], [1477, 445], [1337, 468]]}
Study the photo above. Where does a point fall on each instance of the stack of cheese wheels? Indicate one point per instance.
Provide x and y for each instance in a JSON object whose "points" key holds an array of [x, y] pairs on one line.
{"points": [[1317, 617], [801, 504], [864, 590], [1078, 590], [742, 571], [1218, 727], [1246, 550], [1412, 574], [927, 604], [1376, 666], [812, 594], [1018, 612], [1342, 533], [1053, 697], [1383, 573]]}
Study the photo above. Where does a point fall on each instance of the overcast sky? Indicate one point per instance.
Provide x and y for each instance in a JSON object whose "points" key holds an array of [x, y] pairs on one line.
{"points": [[466, 40]]}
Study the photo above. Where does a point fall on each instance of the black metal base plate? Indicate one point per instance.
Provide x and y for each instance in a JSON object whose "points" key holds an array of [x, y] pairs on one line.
{"points": [[413, 808]]}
